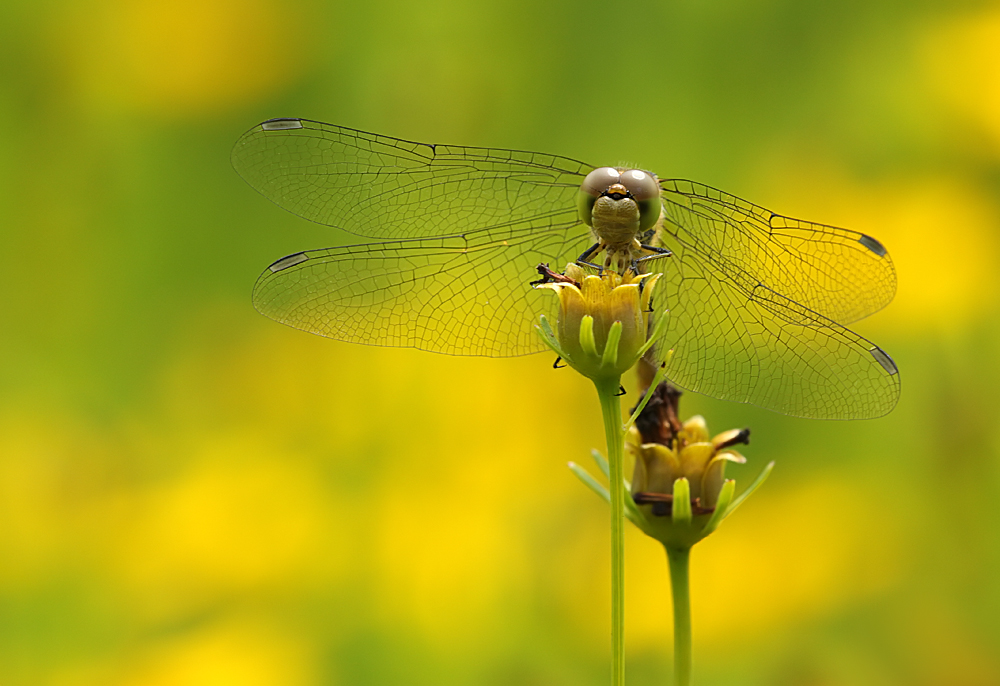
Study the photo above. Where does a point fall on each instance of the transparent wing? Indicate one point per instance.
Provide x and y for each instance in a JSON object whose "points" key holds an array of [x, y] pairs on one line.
{"points": [[465, 294], [751, 294], [754, 345], [383, 187], [840, 274]]}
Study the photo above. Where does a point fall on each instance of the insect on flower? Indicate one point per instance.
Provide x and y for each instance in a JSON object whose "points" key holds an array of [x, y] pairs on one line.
{"points": [[757, 302]]}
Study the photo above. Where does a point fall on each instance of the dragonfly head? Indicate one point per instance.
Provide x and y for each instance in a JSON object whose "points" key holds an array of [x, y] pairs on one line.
{"points": [[622, 196]]}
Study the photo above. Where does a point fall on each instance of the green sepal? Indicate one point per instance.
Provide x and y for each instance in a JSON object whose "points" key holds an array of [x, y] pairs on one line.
{"points": [[630, 505], [761, 478], [546, 327], [587, 341], [725, 497], [548, 337], [658, 329], [680, 510], [632, 512], [610, 356]]}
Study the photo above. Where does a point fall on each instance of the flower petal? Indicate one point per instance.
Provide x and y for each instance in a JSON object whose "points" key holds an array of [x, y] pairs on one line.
{"points": [[648, 286], [575, 272], [696, 429], [714, 476], [694, 458], [633, 438], [731, 437], [640, 475], [661, 468]]}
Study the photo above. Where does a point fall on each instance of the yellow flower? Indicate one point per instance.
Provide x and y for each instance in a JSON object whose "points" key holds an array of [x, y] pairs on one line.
{"points": [[601, 330], [693, 456], [679, 490]]}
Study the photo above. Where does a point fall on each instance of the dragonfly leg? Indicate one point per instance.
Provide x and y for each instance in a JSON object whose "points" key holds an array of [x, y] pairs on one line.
{"points": [[599, 268], [556, 365], [657, 252], [588, 253], [654, 249], [621, 390]]}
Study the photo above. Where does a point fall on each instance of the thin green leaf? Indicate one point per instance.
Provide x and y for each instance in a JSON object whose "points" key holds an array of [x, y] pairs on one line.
{"points": [[602, 463], [584, 476], [661, 373]]}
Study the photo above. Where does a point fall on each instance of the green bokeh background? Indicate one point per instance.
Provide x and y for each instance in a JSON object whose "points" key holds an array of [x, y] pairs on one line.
{"points": [[191, 494]]}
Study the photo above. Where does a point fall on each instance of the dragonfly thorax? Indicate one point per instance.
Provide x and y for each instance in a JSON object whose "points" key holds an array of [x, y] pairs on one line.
{"points": [[615, 220]]}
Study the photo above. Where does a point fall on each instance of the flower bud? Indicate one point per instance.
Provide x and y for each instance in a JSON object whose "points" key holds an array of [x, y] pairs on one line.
{"points": [[601, 329], [679, 490], [701, 462]]}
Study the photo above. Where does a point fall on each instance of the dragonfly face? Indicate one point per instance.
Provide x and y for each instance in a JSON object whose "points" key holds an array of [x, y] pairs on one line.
{"points": [[757, 301], [619, 205]]}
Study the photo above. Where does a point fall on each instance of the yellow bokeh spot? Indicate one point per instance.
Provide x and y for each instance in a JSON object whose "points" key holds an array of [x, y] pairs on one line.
{"points": [[235, 523], [430, 520], [184, 57], [962, 58], [443, 563], [49, 466], [236, 653]]}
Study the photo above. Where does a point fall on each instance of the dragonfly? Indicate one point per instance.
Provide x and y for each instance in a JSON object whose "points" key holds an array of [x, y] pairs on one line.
{"points": [[756, 302]]}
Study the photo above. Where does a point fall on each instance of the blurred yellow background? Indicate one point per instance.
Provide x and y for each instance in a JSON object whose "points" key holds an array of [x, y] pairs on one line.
{"points": [[191, 494]]}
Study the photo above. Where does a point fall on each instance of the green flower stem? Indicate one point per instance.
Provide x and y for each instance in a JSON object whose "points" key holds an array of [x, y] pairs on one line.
{"points": [[607, 390], [679, 559]]}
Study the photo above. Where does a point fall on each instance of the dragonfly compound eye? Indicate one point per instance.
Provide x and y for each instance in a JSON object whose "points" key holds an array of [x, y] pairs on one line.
{"points": [[645, 190], [596, 183]]}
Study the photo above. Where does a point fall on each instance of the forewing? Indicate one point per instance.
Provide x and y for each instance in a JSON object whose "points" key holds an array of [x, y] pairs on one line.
{"points": [[839, 274], [383, 187], [754, 345], [465, 294]]}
